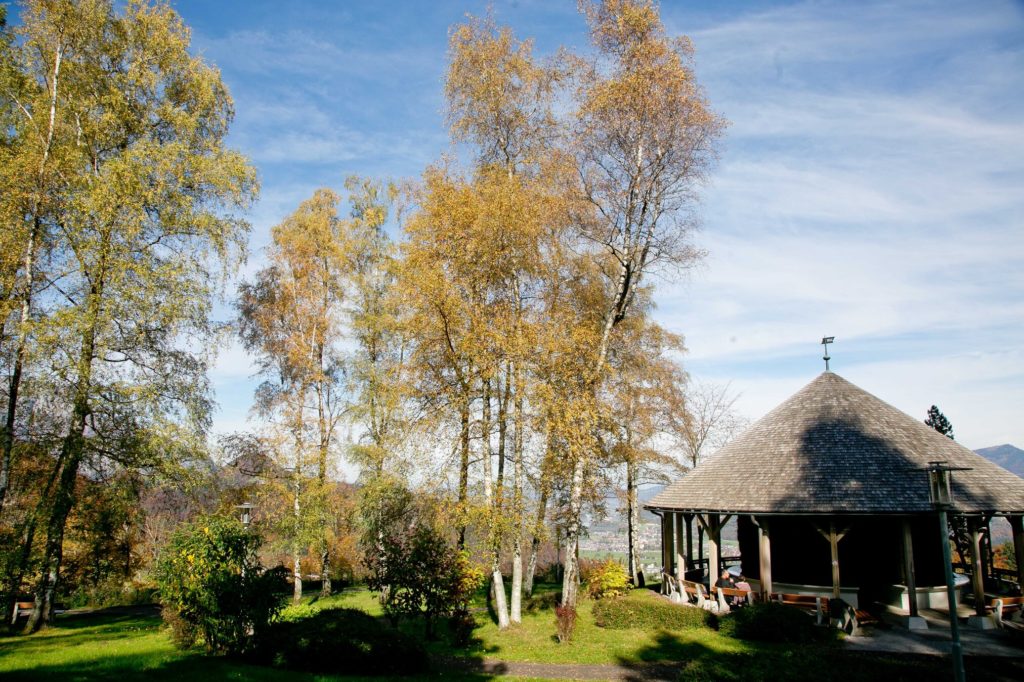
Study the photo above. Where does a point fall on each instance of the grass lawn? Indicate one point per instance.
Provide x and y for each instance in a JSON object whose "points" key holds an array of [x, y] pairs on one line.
{"points": [[127, 647]]}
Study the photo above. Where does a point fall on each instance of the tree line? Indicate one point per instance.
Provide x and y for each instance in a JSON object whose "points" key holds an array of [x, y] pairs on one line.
{"points": [[482, 335]]}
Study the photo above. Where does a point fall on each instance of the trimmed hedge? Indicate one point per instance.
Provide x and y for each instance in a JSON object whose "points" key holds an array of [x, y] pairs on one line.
{"points": [[341, 641], [773, 622], [644, 609]]}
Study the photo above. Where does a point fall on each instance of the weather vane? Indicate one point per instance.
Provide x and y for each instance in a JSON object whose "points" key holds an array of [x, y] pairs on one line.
{"points": [[825, 341]]}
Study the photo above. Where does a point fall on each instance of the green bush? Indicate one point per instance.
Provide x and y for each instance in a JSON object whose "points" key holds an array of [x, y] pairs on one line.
{"points": [[340, 641], [114, 591], [541, 602], [644, 609], [607, 579], [410, 562], [212, 585], [773, 622]]}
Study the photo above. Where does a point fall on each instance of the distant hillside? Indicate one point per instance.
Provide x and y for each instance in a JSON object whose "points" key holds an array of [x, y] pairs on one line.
{"points": [[1006, 456]]}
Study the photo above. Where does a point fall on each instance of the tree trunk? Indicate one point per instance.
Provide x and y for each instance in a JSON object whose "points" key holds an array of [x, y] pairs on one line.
{"points": [[570, 574], [538, 529], [28, 533], [325, 441], [463, 468], [516, 612], [636, 574], [71, 453], [325, 573], [500, 605], [296, 551], [613, 315], [26, 297]]}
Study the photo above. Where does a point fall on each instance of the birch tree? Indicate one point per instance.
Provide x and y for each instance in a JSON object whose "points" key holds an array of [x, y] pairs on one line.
{"points": [[145, 206], [644, 139], [290, 318], [500, 101]]}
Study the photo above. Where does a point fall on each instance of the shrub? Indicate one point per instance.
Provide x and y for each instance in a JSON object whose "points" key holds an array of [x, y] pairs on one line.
{"points": [[211, 580], [113, 591], [340, 641], [773, 622], [183, 633], [565, 620], [607, 579], [541, 602], [461, 625], [412, 565], [644, 609]]}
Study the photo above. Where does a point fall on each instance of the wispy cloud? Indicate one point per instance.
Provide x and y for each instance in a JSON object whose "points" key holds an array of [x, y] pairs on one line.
{"points": [[870, 189]]}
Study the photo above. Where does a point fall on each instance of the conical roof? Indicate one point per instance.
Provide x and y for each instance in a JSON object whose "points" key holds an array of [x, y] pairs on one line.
{"points": [[833, 448]]}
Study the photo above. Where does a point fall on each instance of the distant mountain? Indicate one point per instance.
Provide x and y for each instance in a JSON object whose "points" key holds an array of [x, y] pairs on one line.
{"points": [[1006, 456]]}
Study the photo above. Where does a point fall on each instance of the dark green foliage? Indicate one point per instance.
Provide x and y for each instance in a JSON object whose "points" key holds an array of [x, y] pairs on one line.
{"points": [[461, 626], [644, 609], [340, 641], [938, 421], [211, 580], [410, 561], [541, 602], [772, 622]]}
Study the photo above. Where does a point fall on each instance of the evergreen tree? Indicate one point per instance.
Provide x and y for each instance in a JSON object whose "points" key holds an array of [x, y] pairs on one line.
{"points": [[938, 421]]}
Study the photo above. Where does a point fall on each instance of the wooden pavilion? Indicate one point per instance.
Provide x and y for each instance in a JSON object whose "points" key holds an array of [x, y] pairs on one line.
{"points": [[830, 495]]}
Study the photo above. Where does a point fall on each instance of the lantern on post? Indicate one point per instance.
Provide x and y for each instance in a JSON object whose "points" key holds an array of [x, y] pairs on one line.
{"points": [[941, 497], [939, 488], [245, 513]]}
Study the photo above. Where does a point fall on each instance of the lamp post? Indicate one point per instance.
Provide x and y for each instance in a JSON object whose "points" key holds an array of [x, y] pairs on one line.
{"points": [[940, 495], [245, 513]]}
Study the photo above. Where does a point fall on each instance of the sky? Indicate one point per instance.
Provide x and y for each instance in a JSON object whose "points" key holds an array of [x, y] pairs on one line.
{"points": [[870, 187]]}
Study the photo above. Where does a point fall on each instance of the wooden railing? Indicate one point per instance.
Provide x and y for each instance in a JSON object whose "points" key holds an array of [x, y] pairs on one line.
{"points": [[1004, 574]]}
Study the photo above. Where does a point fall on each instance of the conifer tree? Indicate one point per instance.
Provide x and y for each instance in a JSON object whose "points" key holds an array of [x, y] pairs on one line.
{"points": [[938, 421]]}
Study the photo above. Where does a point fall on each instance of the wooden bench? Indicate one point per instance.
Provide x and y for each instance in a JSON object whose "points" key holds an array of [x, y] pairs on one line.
{"points": [[1008, 611], [807, 602], [695, 591], [21, 608], [740, 597]]}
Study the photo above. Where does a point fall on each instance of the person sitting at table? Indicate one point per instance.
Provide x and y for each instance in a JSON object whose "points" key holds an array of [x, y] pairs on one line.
{"points": [[726, 580]]}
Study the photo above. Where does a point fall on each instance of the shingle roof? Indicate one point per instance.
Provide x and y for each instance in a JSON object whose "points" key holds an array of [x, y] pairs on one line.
{"points": [[835, 448]]}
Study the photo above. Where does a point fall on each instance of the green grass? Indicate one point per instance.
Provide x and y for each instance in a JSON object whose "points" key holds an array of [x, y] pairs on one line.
{"points": [[136, 648]]}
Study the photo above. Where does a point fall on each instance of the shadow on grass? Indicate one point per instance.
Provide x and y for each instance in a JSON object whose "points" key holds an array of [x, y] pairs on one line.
{"points": [[679, 659], [199, 668]]}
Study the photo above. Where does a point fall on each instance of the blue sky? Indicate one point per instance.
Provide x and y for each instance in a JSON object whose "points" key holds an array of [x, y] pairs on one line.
{"points": [[871, 185]]}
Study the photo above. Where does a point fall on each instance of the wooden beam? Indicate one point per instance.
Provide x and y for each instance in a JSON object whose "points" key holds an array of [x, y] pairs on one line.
{"points": [[833, 537], [713, 554], [908, 567], [764, 556], [978, 579], [689, 541], [664, 554], [680, 559], [833, 541], [1017, 526]]}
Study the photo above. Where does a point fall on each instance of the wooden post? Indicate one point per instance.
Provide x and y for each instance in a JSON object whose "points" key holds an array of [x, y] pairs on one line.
{"points": [[908, 567], [666, 542], [680, 559], [764, 556], [713, 544], [833, 536], [689, 541], [833, 541], [978, 579], [1017, 525]]}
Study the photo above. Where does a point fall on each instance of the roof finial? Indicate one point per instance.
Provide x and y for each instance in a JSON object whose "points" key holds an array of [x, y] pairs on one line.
{"points": [[825, 341]]}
